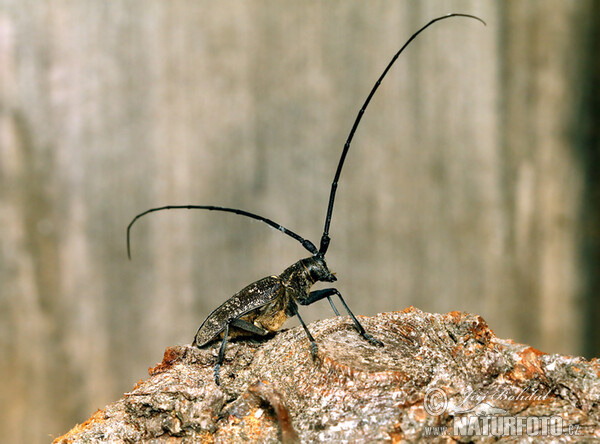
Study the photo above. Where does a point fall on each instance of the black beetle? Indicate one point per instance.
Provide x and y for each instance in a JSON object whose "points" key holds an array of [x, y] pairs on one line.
{"points": [[263, 306]]}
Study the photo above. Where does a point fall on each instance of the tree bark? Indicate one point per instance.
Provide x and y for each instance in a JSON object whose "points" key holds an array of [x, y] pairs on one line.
{"points": [[433, 372], [472, 183]]}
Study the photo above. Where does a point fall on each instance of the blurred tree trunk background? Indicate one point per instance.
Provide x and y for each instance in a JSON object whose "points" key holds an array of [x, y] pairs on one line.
{"points": [[472, 183]]}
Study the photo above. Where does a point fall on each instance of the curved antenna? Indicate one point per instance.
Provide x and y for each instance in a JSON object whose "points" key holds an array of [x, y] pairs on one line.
{"points": [[325, 237], [305, 242]]}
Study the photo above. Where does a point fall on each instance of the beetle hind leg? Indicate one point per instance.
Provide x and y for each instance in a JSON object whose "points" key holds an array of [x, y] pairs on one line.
{"points": [[241, 324], [221, 354]]}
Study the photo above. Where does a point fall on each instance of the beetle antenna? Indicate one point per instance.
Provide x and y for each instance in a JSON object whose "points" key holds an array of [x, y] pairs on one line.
{"points": [[305, 242], [325, 237]]}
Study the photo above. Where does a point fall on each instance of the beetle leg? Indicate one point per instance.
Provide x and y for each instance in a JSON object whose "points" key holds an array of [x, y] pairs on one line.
{"points": [[221, 353], [337, 313], [241, 324], [313, 344], [247, 326], [317, 295]]}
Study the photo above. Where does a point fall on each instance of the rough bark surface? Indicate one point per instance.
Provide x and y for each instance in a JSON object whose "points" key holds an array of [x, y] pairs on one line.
{"points": [[433, 370]]}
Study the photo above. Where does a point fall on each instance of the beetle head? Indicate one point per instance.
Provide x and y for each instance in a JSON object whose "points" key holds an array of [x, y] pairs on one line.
{"points": [[317, 269]]}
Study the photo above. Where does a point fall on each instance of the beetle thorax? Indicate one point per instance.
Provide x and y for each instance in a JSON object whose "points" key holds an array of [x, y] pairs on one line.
{"points": [[304, 273]]}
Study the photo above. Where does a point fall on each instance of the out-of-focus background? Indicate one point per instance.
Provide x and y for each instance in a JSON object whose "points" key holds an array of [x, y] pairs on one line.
{"points": [[472, 183]]}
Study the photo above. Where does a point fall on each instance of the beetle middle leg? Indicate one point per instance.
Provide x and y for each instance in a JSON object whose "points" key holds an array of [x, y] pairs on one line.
{"points": [[313, 344], [241, 324], [317, 295]]}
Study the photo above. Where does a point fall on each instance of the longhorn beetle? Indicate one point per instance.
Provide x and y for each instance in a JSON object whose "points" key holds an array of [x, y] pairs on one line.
{"points": [[263, 306]]}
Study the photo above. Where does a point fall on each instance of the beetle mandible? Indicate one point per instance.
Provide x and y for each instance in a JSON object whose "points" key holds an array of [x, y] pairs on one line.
{"points": [[263, 306]]}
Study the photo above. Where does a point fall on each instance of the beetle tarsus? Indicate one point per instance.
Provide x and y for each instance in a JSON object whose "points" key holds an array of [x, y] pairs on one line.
{"points": [[217, 367], [372, 340]]}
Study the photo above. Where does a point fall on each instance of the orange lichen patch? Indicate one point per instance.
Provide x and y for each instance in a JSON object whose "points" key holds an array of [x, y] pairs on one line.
{"points": [[397, 434], [138, 385], [595, 363], [171, 356], [477, 327], [409, 309], [397, 437], [528, 366], [535, 351], [255, 426], [481, 331], [254, 423], [71, 435], [207, 438], [455, 315], [469, 352]]}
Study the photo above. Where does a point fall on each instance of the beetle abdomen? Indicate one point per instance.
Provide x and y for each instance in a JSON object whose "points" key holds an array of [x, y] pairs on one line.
{"points": [[252, 297]]}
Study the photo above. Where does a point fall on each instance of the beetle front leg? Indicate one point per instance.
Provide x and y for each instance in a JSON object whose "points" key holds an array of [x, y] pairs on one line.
{"points": [[317, 295]]}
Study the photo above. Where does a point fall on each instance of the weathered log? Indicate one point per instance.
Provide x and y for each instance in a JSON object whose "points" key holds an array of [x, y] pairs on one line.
{"points": [[438, 376]]}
